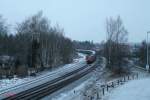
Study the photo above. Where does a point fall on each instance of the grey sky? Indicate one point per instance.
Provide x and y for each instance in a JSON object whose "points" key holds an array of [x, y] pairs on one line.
{"points": [[83, 19]]}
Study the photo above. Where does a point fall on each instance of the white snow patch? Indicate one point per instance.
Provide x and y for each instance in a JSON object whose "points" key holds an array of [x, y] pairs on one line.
{"points": [[8, 83], [133, 90]]}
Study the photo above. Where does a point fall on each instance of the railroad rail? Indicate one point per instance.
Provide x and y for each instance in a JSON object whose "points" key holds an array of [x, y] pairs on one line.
{"points": [[27, 85], [47, 88]]}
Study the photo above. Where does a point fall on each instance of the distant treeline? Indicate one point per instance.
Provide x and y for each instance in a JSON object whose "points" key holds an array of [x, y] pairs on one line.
{"points": [[53, 48], [87, 45]]}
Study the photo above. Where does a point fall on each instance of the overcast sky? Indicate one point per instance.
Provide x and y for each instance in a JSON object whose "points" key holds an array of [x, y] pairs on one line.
{"points": [[83, 19]]}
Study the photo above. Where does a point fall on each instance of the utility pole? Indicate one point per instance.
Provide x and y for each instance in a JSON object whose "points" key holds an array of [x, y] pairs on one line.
{"points": [[147, 64], [108, 48]]}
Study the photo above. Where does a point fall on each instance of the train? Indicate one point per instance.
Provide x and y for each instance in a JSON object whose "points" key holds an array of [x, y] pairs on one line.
{"points": [[91, 55], [90, 58]]}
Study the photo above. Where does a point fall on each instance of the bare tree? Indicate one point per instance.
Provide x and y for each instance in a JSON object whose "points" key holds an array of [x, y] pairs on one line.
{"points": [[48, 48], [54, 49], [116, 48]]}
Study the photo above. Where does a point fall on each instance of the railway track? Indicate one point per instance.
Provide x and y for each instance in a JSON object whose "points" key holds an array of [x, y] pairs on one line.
{"points": [[37, 81], [47, 88]]}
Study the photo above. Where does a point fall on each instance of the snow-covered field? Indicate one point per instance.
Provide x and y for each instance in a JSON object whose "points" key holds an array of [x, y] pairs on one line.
{"points": [[15, 85], [133, 90]]}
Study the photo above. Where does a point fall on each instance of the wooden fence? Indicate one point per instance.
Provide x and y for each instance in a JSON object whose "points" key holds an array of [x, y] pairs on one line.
{"points": [[99, 91], [112, 84]]}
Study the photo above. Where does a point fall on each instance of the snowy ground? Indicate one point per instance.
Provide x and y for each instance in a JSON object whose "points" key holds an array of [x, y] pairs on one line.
{"points": [[88, 89], [79, 90], [85, 87], [133, 90], [16, 84], [73, 91]]}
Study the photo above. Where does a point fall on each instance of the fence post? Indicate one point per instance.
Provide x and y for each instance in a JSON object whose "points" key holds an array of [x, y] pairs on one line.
{"points": [[124, 78], [137, 75], [103, 90], [128, 77], [118, 82], [112, 84], [98, 97], [107, 87], [121, 82]]}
